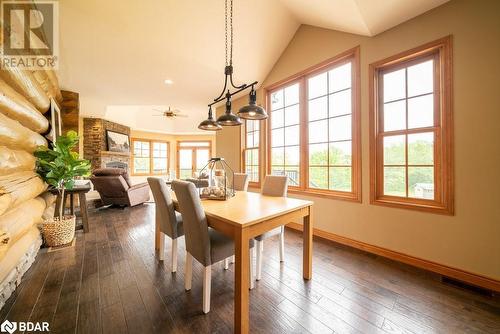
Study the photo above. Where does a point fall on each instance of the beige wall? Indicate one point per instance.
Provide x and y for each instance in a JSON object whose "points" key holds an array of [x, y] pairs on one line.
{"points": [[469, 240], [229, 139]]}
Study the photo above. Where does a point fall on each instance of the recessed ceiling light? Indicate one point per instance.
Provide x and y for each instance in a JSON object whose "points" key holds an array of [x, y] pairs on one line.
{"points": [[168, 82]]}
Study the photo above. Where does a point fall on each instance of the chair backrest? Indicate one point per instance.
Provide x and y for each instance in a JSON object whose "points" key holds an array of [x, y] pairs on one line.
{"points": [[113, 186], [194, 221], [165, 212], [275, 185], [240, 181], [113, 172]]}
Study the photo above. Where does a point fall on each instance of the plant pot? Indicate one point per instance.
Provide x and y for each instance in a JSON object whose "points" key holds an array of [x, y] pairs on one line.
{"points": [[58, 232]]}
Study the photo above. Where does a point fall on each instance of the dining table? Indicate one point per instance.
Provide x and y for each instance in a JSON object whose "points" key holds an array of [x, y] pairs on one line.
{"points": [[245, 216]]}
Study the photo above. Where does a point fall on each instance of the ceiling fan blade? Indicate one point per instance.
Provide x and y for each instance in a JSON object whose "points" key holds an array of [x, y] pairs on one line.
{"points": [[181, 115]]}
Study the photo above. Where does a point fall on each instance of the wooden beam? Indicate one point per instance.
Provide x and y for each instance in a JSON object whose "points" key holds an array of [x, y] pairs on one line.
{"points": [[25, 83], [15, 136], [18, 188], [16, 106], [13, 161]]}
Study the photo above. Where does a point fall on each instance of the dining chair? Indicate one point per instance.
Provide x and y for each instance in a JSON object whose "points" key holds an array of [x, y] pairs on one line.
{"points": [[168, 220], [203, 243], [240, 181], [274, 185]]}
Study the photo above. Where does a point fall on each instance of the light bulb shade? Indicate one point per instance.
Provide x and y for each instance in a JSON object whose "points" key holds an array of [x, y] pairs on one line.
{"points": [[253, 112], [209, 125], [228, 119]]}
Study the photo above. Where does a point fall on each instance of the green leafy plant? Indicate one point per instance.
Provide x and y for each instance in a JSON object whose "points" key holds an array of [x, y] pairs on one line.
{"points": [[59, 165]]}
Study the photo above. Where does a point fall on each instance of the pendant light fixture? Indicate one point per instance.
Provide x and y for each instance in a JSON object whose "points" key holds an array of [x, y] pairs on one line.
{"points": [[251, 111], [210, 124]]}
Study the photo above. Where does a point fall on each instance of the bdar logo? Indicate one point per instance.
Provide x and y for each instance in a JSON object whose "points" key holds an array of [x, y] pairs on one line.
{"points": [[8, 327]]}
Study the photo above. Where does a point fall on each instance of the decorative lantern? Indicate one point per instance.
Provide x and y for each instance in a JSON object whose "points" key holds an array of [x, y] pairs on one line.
{"points": [[220, 185]]}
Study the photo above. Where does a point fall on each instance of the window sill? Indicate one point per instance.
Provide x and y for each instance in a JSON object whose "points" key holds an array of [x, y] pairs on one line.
{"points": [[337, 195], [422, 206]]}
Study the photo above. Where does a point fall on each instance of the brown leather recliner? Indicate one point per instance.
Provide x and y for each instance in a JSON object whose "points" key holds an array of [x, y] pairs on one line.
{"points": [[114, 187]]}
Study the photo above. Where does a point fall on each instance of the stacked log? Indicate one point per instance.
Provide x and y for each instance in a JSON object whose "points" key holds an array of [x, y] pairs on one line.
{"points": [[24, 98]]}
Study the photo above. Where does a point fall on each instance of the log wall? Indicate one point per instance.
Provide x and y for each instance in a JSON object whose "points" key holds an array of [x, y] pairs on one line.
{"points": [[24, 98]]}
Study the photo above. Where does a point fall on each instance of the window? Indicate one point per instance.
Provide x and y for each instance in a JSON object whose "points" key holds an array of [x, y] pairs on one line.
{"points": [[285, 133], [330, 129], [251, 150], [149, 157], [192, 156], [411, 138], [314, 129]]}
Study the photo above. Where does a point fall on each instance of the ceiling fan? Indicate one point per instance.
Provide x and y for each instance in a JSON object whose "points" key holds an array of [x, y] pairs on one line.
{"points": [[170, 113]]}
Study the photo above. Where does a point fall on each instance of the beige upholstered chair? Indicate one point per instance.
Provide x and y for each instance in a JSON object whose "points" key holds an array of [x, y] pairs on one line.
{"points": [[277, 186], [169, 220], [240, 181], [205, 244]]}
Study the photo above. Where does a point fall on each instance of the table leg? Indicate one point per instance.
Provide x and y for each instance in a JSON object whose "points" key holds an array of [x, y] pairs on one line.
{"points": [[241, 282], [84, 212], [307, 236], [58, 205], [71, 204]]}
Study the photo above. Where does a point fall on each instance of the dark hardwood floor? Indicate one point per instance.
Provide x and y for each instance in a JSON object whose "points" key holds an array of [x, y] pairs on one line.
{"points": [[110, 282]]}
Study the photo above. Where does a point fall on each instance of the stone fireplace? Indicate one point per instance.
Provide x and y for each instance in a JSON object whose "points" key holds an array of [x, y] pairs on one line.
{"points": [[116, 164], [95, 146]]}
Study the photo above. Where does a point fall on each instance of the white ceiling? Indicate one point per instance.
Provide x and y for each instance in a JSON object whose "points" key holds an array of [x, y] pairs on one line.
{"points": [[118, 53], [362, 17]]}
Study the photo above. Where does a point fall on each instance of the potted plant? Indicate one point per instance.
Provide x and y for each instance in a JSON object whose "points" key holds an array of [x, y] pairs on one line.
{"points": [[58, 166]]}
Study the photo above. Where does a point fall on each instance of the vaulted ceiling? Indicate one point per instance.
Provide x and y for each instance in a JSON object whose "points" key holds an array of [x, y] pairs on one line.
{"points": [[118, 53]]}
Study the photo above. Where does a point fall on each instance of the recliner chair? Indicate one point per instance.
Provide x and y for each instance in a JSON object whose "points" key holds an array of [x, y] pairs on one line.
{"points": [[114, 187]]}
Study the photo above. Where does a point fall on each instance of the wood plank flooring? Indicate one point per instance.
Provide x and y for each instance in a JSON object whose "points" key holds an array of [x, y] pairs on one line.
{"points": [[111, 282]]}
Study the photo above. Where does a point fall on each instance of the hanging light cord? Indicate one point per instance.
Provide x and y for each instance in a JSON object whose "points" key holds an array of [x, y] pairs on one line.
{"points": [[231, 28], [228, 71]]}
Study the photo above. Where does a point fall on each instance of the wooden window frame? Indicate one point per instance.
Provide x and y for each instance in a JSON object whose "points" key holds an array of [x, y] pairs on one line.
{"points": [[151, 158], [193, 156], [443, 202], [257, 148], [352, 56]]}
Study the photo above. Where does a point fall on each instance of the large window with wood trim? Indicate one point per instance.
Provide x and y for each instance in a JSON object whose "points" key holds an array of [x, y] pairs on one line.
{"points": [[149, 157], [314, 129], [251, 150], [192, 156], [411, 129]]}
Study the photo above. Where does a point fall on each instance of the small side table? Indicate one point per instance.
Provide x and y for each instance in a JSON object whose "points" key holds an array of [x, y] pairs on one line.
{"points": [[80, 191]]}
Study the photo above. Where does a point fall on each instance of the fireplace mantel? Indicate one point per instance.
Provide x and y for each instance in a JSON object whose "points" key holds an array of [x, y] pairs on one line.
{"points": [[111, 153]]}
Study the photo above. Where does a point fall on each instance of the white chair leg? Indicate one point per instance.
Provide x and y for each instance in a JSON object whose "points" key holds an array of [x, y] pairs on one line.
{"points": [[207, 278], [174, 255], [232, 259], [282, 244], [252, 282], [188, 271], [161, 250], [260, 247], [226, 263]]}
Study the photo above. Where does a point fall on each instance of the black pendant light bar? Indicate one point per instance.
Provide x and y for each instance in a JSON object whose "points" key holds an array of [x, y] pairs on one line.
{"points": [[250, 111]]}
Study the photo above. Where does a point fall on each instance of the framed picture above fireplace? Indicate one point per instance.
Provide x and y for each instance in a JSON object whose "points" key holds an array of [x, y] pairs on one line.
{"points": [[117, 142]]}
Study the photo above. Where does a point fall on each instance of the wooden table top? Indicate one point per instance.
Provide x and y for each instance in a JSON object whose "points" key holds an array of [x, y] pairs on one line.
{"points": [[248, 208]]}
